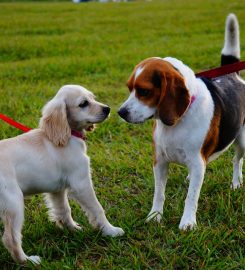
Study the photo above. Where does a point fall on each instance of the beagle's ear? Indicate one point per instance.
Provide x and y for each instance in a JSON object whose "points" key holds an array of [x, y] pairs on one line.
{"points": [[54, 122], [174, 99], [130, 82]]}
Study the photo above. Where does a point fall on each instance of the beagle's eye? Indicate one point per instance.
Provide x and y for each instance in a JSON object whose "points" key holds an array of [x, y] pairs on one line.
{"points": [[84, 104], [142, 92]]}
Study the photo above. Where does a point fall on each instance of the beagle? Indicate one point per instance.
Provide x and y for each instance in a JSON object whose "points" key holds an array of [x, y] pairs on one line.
{"points": [[51, 160], [196, 119]]}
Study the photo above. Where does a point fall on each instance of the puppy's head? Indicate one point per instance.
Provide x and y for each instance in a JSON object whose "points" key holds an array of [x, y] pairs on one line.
{"points": [[158, 90], [73, 108]]}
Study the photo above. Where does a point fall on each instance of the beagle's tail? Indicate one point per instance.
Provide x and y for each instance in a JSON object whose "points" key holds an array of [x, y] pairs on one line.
{"points": [[231, 52]]}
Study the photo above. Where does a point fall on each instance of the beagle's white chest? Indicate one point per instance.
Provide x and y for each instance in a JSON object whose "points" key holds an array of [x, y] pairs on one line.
{"points": [[183, 142], [171, 144]]}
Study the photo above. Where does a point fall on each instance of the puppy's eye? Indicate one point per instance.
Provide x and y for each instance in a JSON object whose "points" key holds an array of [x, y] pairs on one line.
{"points": [[142, 92], [84, 104]]}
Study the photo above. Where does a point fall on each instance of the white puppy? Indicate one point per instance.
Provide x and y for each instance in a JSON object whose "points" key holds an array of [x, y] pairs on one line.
{"points": [[51, 160]]}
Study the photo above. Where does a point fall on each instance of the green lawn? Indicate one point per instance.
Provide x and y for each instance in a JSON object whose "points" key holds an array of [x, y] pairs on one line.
{"points": [[46, 45]]}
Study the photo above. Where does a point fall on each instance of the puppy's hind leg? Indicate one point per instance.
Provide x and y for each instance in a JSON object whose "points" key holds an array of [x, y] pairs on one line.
{"points": [[13, 217], [238, 160], [59, 210]]}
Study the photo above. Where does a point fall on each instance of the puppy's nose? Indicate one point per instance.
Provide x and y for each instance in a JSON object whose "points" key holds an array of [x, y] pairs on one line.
{"points": [[106, 110], [123, 112]]}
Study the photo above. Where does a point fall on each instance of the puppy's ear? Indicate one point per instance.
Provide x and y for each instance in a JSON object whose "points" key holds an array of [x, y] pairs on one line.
{"points": [[54, 122], [174, 99]]}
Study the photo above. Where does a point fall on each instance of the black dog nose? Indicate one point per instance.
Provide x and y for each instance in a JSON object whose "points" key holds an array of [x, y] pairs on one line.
{"points": [[123, 112], [106, 110]]}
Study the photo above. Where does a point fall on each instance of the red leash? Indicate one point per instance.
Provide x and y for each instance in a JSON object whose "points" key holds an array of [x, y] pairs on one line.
{"points": [[26, 129], [212, 73], [14, 123], [223, 70]]}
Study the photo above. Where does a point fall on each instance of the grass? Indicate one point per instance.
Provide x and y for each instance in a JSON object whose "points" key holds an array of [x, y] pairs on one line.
{"points": [[46, 45]]}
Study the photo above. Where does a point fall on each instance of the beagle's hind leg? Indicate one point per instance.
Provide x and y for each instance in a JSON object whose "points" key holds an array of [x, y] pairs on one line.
{"points": [[238, 160]]}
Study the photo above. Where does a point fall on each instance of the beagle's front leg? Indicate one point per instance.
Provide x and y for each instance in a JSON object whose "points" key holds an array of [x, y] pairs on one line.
{"points": [[160, 174], [196, 172]]}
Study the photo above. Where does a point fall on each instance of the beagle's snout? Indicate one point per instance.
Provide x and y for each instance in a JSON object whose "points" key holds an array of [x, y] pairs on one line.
{"points": [[123, 112], [106, 110]]}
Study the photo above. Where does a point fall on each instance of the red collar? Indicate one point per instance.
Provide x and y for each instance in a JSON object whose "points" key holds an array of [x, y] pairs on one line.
{"points": [[78, 134], [23, 128], [192, 99]]}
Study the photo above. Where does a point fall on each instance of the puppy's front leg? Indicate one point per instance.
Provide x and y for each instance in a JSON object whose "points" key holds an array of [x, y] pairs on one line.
{"points": [[160, 174], [82, 190], [86, 197], [196, 172]]}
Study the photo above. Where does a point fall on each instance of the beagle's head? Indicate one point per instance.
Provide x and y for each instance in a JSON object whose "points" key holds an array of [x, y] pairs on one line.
{"points": [[157, 90]]}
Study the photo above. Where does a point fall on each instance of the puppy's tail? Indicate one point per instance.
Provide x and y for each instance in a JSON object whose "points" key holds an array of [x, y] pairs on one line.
{"points": [[231, 52]]}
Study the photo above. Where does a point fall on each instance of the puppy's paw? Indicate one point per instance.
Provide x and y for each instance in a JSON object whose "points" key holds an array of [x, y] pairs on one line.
{"points": [[34, 259], [74, 226], [154, 216], [70, 224], [187, 224], [112, 231]]}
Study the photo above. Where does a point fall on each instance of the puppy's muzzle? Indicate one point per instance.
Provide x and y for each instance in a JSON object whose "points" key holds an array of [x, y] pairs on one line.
{"points": [[106, 110]]}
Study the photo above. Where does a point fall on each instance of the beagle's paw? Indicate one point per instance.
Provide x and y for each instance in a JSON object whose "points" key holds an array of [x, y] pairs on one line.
{"points": [[154, 216], [187, 223], [236, 184]]}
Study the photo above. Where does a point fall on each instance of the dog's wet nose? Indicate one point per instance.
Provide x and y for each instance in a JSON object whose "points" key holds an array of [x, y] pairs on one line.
{"points": [[123, 112], [106, 110]]}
